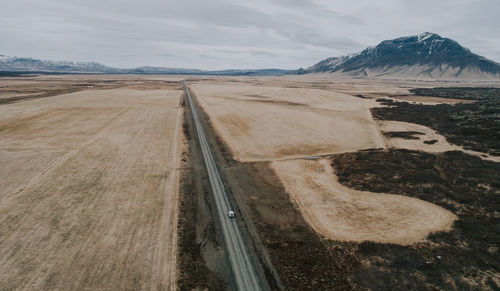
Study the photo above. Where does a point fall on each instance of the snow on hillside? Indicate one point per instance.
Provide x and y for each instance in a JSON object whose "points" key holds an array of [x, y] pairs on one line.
{"points": [[425, 55]]}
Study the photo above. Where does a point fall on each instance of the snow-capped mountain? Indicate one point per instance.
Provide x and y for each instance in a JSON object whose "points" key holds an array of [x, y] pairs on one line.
{"points": [[427, 55], [26, 65], [33, 65]]}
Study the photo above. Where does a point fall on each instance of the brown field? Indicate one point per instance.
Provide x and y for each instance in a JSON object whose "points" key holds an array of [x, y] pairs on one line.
{"points": [[13, 89], [275, 121], [262, 123], [88, 185]]}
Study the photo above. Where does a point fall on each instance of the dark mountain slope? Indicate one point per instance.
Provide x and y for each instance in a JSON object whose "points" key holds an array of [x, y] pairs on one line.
{"points": [[427, 55]]}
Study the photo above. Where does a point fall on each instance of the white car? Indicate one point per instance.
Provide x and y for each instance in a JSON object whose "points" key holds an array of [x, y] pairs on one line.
{"points": [[230, 213]]}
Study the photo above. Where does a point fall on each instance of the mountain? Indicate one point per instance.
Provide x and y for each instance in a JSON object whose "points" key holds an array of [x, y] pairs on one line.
{"points": [[29, 65], [15, 64], [179, 71], [424, 56]]}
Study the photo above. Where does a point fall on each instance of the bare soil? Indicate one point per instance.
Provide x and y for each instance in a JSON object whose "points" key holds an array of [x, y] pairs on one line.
{"points": [[424, 133]]}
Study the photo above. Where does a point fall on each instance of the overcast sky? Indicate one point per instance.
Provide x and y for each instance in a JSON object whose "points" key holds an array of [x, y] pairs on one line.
{"points": [[221, 34]]}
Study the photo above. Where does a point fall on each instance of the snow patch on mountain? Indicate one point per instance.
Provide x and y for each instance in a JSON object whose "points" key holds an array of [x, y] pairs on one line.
{"points": [[427, 55], [424, 36]]}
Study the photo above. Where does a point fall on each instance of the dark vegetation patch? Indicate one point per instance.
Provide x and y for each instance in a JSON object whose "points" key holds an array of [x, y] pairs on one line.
{"points": [[361, 96], [403, 134], [475, 126], [432, 141], [463, 93], [467, 258]]}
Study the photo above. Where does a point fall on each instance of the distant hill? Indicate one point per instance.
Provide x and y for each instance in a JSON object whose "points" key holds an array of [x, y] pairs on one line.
{"points": [[179, 71], [16, 65], [424, 56]]}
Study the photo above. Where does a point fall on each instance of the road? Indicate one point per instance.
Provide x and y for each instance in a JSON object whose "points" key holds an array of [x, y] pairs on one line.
{"points": [[244, 271]]}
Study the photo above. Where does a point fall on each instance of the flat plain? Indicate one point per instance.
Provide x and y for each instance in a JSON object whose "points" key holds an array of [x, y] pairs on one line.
{"points": [[88, 183], [262, 122]]}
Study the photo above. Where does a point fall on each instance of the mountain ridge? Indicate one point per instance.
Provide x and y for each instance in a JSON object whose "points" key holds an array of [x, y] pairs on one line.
{"points": [[427, 55], [30, 65]]}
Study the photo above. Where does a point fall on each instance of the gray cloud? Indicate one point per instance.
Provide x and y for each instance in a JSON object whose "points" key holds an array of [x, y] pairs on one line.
{"points": [[221, 34]]}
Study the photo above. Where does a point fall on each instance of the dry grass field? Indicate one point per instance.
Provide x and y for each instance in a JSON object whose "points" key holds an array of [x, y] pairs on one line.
{"points": [[88, 187], [345, 214], [262, 123], [272, 120]]}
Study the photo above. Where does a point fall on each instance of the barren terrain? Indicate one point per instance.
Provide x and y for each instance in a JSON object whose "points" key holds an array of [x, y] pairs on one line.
{"points": [[88, 186], [402, 208], [281, 124]]}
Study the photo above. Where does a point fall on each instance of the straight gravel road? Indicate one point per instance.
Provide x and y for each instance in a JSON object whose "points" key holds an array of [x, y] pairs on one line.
{"points": [[244, 271]]}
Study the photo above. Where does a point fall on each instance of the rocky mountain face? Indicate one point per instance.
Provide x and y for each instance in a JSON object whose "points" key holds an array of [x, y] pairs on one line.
{"points": [[427, 55]]}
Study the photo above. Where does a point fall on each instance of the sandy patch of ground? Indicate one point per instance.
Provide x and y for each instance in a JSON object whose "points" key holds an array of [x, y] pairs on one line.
{"points": [[436, 143], [88, 190], [267, 123], [428, 134], [341, 213]]}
